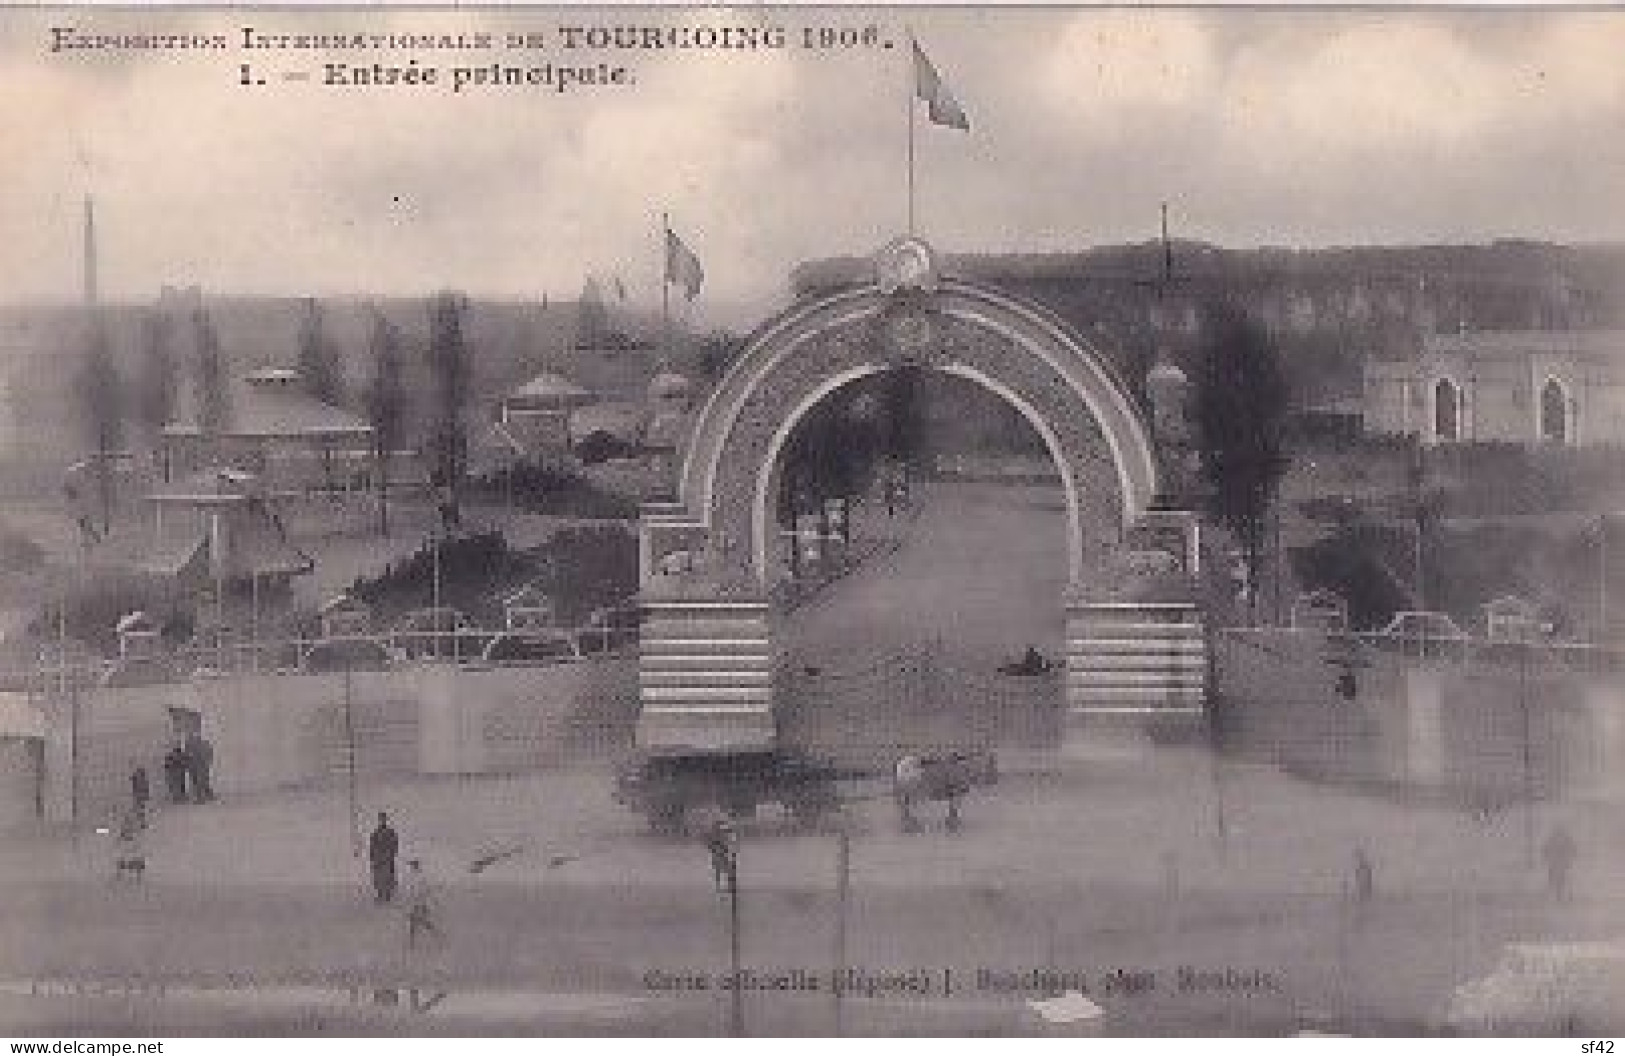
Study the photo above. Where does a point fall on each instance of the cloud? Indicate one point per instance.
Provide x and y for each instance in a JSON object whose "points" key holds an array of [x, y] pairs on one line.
{"points": [[1106, 67]]}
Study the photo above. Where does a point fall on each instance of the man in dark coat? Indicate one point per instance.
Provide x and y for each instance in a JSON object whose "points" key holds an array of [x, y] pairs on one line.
{"points": [[381, 851], [140, 793], [200, 766], [1560, 851], [175, 773]]}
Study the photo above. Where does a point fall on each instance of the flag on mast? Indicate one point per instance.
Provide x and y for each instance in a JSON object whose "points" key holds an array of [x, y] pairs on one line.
{"points": [[683, 266], [940, 103]]}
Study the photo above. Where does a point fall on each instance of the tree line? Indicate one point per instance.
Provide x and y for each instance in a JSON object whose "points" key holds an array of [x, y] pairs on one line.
{"points": [[115, 406]]}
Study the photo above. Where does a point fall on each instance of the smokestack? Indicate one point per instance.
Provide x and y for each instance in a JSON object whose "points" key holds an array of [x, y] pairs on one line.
{"points": [[90, 252]]}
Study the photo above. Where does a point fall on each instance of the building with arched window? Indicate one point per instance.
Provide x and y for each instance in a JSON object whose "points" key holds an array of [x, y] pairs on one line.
{"points": [[1540, 387]]}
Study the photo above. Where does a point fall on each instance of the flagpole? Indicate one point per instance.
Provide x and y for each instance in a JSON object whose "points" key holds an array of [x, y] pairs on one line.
{"points": [[908, 96], [665, 289]]}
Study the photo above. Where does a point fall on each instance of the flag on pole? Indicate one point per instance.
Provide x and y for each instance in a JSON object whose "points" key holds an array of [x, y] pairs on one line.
{"points": [[940, 103], [682, 266]]}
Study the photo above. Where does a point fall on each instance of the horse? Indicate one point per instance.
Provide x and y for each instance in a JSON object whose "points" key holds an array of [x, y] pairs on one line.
{"points": [[945, 778]]}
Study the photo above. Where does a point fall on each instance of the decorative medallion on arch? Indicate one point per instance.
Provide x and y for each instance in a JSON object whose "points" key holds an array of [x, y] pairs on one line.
{"points": [[706, 663]]}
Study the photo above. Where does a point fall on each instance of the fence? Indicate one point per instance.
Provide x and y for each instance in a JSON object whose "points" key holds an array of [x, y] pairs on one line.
{"points": [[471, 647], [1484, 721]]}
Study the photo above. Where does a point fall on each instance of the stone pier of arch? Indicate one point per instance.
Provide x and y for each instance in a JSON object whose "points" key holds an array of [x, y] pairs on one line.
{"points": [[1136, 653]]}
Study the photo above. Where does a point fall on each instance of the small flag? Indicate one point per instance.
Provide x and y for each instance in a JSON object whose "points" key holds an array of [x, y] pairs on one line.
{"points": [[940, 102], [682, 266], [620, 289]]}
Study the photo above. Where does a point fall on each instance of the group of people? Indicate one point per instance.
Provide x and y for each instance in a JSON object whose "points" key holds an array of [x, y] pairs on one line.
{"points": [[383, 850], [188, 778], [189, 770]]}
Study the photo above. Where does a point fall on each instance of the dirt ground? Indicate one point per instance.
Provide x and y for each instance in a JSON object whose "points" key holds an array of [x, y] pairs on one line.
{"points": [[561, 914]]}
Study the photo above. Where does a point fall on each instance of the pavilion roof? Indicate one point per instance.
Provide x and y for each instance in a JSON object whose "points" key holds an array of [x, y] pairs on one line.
{"points": [[551, 389]]}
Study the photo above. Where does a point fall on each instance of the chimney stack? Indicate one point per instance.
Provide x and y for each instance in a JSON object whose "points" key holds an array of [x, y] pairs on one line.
{"points": [[90, 252]]}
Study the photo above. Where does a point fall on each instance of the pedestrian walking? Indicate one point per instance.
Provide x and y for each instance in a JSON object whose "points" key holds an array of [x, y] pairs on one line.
{"points": [[130, 856], [140, 793], [1365, 882], [720, 842], [907, 779], [421, 910], [1560, 851], [382, 848]]}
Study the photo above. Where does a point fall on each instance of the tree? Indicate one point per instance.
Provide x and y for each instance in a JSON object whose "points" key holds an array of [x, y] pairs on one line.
{"points": [[592, 317], [903, 414], [155, 387], [386, 406], [1241, 408], [101, 394], [209, 375], [319, 366], [451, 371]]}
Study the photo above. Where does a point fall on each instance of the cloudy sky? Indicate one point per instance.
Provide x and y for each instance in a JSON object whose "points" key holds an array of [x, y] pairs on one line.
{"points": [[1260, 127]]}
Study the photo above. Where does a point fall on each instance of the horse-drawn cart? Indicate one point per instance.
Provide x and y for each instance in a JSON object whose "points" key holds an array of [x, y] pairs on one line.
{"points": [[671, 789]]}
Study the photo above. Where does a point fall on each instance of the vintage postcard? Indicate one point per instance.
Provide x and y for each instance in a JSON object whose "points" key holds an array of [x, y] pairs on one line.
{"points": [[811, 521]]}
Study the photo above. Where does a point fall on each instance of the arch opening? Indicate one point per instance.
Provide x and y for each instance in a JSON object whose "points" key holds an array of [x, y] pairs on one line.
{"points": [[918, 520], [850, 457]]}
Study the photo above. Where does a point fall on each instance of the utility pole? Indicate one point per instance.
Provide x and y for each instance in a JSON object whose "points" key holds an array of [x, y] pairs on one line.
{"points": [[736, 1007], [352, 754], [1528, 758], [1603, 637], [843, 887], [434, 590], [1418, 480]]}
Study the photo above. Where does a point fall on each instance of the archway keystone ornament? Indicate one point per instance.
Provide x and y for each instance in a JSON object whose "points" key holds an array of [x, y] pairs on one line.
{"points": [[706, 665]]}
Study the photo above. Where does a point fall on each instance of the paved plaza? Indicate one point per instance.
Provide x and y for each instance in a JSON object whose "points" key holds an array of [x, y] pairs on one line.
{"points": [[1088, 867]]}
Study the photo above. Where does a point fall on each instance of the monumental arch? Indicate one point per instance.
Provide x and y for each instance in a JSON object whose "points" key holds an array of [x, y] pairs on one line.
{"points": [[706, 661]]}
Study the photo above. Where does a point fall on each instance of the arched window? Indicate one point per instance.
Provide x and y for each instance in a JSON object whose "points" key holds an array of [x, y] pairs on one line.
{"points": [[1554, 412], [1446, 410]]}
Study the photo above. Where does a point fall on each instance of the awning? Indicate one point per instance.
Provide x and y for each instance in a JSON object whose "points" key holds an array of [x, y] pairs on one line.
{"points": [[19, 717]]}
